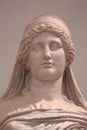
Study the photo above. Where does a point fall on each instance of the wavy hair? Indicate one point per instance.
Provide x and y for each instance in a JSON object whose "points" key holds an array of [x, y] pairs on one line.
{"points": [[51, 24]]}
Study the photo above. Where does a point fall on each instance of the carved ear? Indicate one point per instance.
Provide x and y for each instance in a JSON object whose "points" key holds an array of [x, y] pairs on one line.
{"points": [[25, 63], [26, 66], [66, 63]]}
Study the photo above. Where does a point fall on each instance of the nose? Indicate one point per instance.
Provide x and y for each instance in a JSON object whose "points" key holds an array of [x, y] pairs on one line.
{"points": [[47, 53]]}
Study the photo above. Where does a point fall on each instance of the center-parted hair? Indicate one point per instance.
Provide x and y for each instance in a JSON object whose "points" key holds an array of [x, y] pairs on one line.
{"points": [[50, 24]]}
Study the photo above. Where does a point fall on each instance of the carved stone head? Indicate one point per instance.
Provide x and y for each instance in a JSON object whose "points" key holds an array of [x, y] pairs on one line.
{"points": [[53, 25]]}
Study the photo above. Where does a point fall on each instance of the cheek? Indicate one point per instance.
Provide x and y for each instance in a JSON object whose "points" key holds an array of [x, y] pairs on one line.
{"points": [[59, 59], [34, 61]]}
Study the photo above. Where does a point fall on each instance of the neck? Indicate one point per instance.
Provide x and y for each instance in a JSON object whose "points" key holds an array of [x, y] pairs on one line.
{"points": [[49, 90]]}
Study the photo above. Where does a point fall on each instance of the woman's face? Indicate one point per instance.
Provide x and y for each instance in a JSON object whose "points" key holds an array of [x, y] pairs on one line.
{"points": [[46, 59]]}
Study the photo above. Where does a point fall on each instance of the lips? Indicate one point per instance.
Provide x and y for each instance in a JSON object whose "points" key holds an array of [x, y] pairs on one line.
{"points": [[47, 64]]}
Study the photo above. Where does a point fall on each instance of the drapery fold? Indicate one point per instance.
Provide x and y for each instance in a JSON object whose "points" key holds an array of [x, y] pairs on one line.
{"points": [[45, 120]]}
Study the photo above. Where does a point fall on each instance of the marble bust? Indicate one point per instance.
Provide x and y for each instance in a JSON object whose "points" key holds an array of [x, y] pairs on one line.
{"points": [[42, 93]]}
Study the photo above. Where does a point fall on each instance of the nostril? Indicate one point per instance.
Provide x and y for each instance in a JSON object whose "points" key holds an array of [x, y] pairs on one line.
{"points": [[47, 55]]}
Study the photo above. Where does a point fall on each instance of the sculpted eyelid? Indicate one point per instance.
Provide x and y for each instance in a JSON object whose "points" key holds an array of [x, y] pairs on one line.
{"points": [[35, 46], [37, 43], [56, 42]]}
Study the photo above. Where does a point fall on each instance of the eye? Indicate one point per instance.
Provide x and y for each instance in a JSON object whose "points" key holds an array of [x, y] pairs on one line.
{"points": [[37, 46], [55, 45]]}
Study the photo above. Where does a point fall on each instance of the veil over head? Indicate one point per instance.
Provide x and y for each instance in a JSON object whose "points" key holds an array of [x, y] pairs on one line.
{"points": [[50, 24]]}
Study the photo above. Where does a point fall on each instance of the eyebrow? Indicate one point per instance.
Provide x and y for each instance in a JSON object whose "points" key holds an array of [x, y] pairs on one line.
{"points": [[57, 41], [54, 39]]}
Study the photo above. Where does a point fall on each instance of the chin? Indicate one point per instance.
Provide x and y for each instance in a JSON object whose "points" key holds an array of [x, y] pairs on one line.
{"points": [[47, 76]]}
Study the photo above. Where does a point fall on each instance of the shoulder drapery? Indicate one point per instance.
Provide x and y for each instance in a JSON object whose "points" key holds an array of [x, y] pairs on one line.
{"points": [[45, 120]]}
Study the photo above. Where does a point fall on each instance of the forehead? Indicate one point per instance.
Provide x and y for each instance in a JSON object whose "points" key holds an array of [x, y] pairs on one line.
{"points": [[46, 37]]}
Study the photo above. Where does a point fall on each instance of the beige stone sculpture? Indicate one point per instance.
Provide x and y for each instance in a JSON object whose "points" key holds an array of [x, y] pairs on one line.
{"points": [[43, 94]]}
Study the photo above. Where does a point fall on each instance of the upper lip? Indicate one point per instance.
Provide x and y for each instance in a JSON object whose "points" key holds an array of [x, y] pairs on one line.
{"points": [[47, 63]]}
